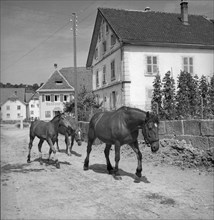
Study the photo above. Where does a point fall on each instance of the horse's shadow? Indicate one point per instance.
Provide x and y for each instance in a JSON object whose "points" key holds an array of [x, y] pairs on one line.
{"points": [[102, 168], [50, 162], [72, 152]]}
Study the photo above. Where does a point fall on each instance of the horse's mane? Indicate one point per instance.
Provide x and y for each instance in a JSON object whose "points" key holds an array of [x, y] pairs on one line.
{"points": [[56, 116]]}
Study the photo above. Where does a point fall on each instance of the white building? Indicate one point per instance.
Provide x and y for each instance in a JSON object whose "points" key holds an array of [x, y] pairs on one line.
{"points": [[59, 89], [33, 107], [13, 105], [128, 48]]}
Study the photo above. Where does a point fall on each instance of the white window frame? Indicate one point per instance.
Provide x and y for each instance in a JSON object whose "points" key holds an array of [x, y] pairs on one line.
{"points": [[188, 67], [56, 98], [153, 66], [46, 97]]}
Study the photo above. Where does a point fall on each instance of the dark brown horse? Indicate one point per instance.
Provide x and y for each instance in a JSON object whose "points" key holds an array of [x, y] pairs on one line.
{"points": [[74, 132], [121, 127], [47, 131]]}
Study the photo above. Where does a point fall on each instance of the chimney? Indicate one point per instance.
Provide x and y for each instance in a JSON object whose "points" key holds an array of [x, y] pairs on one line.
{"points": [[55, 66], [147, 9], [184, 12]]}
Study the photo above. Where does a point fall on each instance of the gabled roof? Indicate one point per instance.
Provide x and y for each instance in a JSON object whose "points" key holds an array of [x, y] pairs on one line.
{"points": [[154, 29], [84, 77], [67, 77], [56, 82], [12, 94]]}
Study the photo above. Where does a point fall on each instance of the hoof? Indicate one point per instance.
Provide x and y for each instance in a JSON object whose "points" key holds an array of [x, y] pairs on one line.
{"points": [[41, 163], [138, 175], [58, 165], [85, 168]]}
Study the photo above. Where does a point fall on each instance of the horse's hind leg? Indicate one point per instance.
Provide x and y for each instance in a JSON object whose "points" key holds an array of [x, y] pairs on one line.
{"points": [[106, 152], [51, 144], [135, 147], [117, 156], [40, 151], [30, 147]]}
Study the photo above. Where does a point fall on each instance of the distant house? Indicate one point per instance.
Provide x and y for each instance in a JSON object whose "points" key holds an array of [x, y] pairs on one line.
{"points": [[33, 107], [128, 48], [13, 104], [60, 88]]}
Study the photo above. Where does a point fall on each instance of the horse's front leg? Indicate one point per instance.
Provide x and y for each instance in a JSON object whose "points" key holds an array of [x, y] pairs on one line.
{"points": [[67, 142], [135, 147], [40, 151], [108, 163], [51, 144], [29, 148], [72, 142], [57, 144]]}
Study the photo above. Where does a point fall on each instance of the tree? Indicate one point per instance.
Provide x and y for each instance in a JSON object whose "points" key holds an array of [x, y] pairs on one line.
{"points": [[156, 103], [182, 96], [168, 96], [204, 96], [211, 95]]}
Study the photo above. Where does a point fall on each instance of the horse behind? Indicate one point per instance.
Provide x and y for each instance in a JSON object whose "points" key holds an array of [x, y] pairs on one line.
{"points": [[74, 132], [121, 127], [47, 131]]}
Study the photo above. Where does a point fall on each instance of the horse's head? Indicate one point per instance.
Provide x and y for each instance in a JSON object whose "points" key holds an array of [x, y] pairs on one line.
{"points": [[63, 121], [150, 131], [78, 136]]}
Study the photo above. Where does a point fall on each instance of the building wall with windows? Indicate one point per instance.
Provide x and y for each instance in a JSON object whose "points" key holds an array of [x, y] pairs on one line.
{"points": [[13, 110], [52, 102], [143, 63], [33, 107]]}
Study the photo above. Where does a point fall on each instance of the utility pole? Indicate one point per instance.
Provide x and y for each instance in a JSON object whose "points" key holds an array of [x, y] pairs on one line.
{"points": [[75, 65]]}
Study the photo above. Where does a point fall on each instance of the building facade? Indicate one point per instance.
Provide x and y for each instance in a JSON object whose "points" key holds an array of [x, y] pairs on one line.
{"points": [[129, 48], [59, 89]]}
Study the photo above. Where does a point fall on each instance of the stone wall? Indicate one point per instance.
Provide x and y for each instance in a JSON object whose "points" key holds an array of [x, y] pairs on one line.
{"points": [[200, 133]]}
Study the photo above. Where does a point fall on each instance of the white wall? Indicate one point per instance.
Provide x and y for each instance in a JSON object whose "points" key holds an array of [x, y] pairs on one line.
{"points": [[169, 59], [34, 109], [14, 113]]}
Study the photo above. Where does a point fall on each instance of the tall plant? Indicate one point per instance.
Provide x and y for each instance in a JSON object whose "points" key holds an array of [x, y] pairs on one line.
{"points": [[182, 96], [168, 96], [156, 103], [211, 95], [204, 96]]}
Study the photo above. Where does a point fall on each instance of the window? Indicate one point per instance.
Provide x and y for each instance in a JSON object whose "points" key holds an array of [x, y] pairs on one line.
{"points": [[113, 40], [32, 106], [152, 64], [56, 98], [47, 114], [113, 100], [96, 54], [8, 115], [113, 70], [47, 98], [65, 99], [97, 78], [99, 35], [58, 82], [32, 112], [8, 107], [104, 75], [18, 115], [104, 47], [188, 64], [18, 107], [107, 29]]}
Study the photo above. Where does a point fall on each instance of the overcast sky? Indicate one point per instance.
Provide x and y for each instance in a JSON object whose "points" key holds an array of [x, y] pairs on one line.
{"points": [[36, 34]]}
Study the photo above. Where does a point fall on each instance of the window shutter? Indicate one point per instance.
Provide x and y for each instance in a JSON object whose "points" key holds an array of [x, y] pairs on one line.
{"points": [[61, 97], [43, 98], [52, 97]]}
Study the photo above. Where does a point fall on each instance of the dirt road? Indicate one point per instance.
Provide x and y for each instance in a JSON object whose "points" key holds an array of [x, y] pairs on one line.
{"points": [[34, 191]]}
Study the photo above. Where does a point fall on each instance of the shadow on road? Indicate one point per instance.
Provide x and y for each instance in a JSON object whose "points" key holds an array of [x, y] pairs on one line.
{"points": [[72, 152], [18, 168], [51, 162], [102, 168]]}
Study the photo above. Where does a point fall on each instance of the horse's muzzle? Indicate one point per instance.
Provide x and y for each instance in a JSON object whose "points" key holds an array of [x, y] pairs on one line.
{"points": [[155, 146], [79, 143]]}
